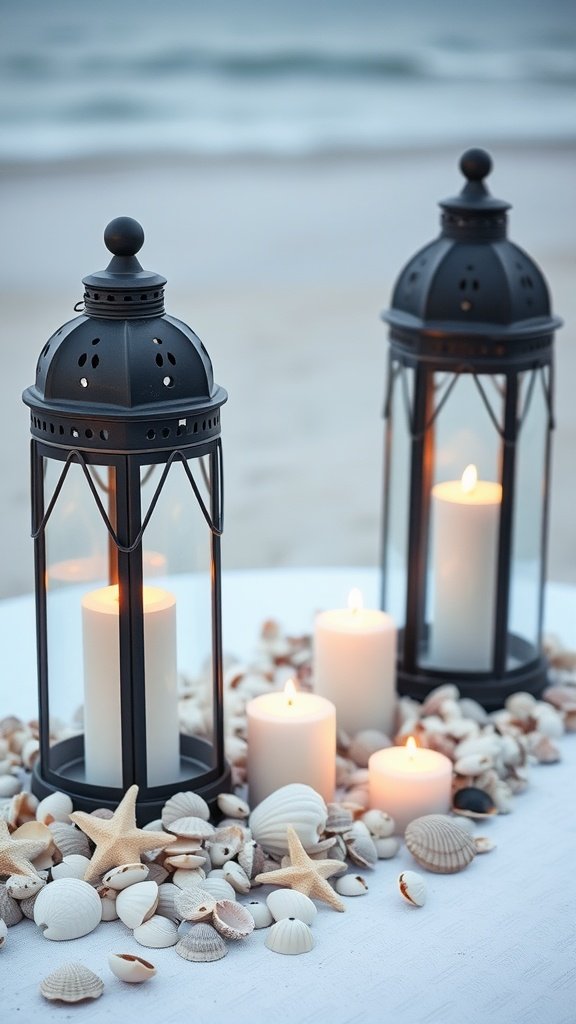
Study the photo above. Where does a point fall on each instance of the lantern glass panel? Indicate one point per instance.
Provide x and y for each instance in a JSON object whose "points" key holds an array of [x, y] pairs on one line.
{"points": [[397, 488]]}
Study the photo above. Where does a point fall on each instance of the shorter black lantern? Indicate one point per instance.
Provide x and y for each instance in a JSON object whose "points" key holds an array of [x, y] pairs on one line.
{"points": [[127, 517], [469, 411]]}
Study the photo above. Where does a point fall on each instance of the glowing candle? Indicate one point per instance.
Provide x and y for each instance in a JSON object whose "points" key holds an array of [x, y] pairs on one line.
{"points": [[465, 515], [410, 781], [291, 738]]}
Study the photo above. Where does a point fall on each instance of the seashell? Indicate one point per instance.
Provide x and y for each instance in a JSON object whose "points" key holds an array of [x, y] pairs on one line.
{"points": [[542, 749], [184, 805], [290, 936], [220, 888], [191, 827], [295, 804], [358, 798], [236, 876], [72, 866], [437, 696], [351, 885], [129, 967], [365, 743], [27, 906], [55, 807], [251, 857], [22, 808], [483, 844], [188, 878], [126, 874], [157, 932], [379, 824], [232, 920], [260, 912], [3, 932], [339, 819], [186, 861], [38, 833], [194, 905], [439, 844], [225, 844], [30, 753], [71, 984], [361, 850], [137, 903], [473, 710], [20, 887], [10, 909], [9, 785], [520, 705], [412, 888], [67, 909], [473, 764], [69, 839], [167, 893], [202, 943], [284, 903], [156, 873], [182, 846], [108, 901], [473, 802], [232, 806], [387, 847]]}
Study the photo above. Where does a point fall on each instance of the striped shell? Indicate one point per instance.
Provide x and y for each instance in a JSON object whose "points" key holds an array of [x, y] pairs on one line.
{"points": [[72, 983], [184, 805], [202, 944], [284, 903], [232, 920], [67, 909], [10, 911], [295, 804], [439, 844], [290, 936]]}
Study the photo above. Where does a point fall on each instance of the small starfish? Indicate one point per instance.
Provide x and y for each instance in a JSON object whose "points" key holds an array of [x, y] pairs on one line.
{"points": [[304, 874], [16, 854], [118, 840]]}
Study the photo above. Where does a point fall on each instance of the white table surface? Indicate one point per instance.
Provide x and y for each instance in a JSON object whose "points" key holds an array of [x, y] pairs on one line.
{"points": [[495, 944]]}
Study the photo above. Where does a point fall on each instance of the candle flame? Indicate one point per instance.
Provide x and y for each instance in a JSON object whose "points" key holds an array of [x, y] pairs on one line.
{"points": [[355, 601], [411, 746], [290, 691], [469, 478]]}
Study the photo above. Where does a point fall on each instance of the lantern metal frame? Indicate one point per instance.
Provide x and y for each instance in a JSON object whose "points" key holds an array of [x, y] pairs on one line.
{"points": [[118, 413], [439, 326]]}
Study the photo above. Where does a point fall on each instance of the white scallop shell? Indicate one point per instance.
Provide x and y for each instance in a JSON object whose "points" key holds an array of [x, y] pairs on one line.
{"points": [[232, 805], [186, 861], [232, 920], [157, 932], [295, 804], [439, 844], [71, 983], [218, 887], [125, 875], [188, 878], [351, 885], [290, 936], [412, 888], [194, 905], [184, 805], [67, 909], [55, 807], [191, 827], [260, 912], [284, 903], [72, 866], [136, 903], [20, 887], [129, 967], [167, 893], [69, 839], [202, 943]]}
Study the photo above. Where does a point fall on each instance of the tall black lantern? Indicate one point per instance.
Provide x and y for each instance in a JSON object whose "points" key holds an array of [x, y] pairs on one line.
{"points": [[469, 413], [126, 518]]}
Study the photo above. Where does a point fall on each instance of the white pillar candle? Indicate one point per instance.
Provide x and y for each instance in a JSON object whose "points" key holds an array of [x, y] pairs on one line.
{"points": [[465, 516], [354, 665], [291, 738], [101, 647], [410, 781]]}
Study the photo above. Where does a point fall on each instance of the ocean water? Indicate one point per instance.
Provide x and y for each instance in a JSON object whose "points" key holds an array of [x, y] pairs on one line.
{"points": [[281, 76]]}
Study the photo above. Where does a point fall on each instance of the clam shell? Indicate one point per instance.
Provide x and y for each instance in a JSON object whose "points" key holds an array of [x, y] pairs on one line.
{"points": [[67, 909], [157, 932], [137, 903], [191, 827], [10, 911], [379, 824], [232, 920], [387, 847], [202, 943], [130, 968], [252, 857], [20, 887], [188, 878], [27, 906], [284, 903], [232, 806], [125, 875], [295, 804], [351, 885], [225, 844], [236, 876], [412, 888], [184, 805], [69, 839], [3, 932], [186, 861], [72, 866], [260, 912], [71, 983], [439, 844], [220, 888], [473, 802], [194, 905], [55, 807], [167, 893], [290, 936]]}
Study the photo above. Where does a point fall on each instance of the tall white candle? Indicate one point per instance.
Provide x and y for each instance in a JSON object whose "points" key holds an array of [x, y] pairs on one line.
{"points": [[354, 665], [101, 648], [291, 738], [465, 516], [410, 781]]}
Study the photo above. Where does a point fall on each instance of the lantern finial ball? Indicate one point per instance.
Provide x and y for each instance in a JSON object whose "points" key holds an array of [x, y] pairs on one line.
{"points": [[124, 236], [475, 164]]}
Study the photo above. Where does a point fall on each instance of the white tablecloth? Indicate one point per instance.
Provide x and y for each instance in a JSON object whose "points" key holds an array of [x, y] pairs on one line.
{"points": [[495, 944]]}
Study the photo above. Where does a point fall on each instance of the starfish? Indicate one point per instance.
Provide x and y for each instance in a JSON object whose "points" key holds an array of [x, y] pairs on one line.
{"points": [[16, 854], [304, 874], [118, 840]]}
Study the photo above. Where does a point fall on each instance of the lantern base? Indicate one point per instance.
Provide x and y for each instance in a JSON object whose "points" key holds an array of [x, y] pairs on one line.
{"points": [[68, 775]]}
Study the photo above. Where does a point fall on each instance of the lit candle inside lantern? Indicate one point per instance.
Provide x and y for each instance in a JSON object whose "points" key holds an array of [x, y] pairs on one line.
{"points": [[466, 516], [355, 665], [101, 648], [291, 738], [410, 781]]}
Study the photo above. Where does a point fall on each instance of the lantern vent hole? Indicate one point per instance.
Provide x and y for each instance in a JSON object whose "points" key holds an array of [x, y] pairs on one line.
{"points": [[159, 360], [104, 435], [95, 360], [156, 341], [165, 431], [95, 341], [82, 359], [151, 435], [171, 359], [89, 433]]}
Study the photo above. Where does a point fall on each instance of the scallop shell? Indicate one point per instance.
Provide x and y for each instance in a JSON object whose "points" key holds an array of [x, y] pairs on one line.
{"points": [[194, 904], [67, 909], [10, 911], [55, 807], [157, 932], [69, 839], [202, 943], [72, 983], [439, 844], [260, 912], [351, 885], [191, 827], [130, 968], [125, 875], [295, 804], [184, 805], [167, 893], [72, 866], [20, 887], [219, 888], [290, 936], [188, 878], [232, 806], [186, 861], [412, 888], [137, 903], [232, 920], [284, 903]]}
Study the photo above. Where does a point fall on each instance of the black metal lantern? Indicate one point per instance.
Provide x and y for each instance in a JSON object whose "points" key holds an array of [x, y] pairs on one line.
{"points": [[469, 411], [126, 519]]}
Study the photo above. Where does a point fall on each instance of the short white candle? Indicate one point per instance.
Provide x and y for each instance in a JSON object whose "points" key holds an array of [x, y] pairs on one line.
{"points": [[101, 647], [410, 781], [354, 665], [291, 738], [465, 516]]}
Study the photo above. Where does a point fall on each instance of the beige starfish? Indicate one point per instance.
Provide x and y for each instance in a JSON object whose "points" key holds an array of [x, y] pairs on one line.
{"points": [[16, 854], [118, 840], [304, 874]]}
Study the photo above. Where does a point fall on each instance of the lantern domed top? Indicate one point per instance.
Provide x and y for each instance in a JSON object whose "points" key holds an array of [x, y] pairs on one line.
{"points": [[135, 374], [472, 292]]}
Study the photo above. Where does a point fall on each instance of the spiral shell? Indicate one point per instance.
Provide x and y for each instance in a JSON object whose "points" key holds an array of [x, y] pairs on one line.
{"points": [[202, 944], [439, 844], [295, 804], [67, 909], [290, 936], [71, 983]]}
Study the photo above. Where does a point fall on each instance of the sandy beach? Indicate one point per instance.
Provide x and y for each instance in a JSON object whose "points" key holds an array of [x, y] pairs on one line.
{"points": [[282, 267]]}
